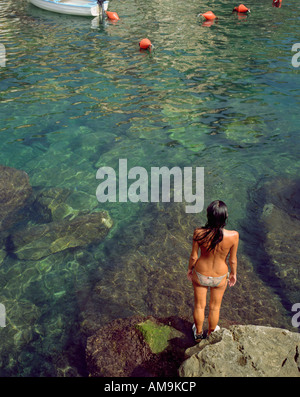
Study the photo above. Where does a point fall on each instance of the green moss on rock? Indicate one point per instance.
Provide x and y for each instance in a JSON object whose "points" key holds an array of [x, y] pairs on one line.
{"points": [[157, 336]]}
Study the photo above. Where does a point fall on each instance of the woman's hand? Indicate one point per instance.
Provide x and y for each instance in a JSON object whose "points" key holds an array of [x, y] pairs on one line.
{"points": [[232, 279], [190, 274]]}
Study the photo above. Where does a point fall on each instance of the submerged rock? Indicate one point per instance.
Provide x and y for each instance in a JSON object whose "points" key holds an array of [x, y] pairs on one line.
{"points": [[245, 350], [49, 204], [248, 131], [15, 191], [282, 246], [35, 242], [284, 193], [56, 204], [280, 221], [21, 319], [137, 346]]}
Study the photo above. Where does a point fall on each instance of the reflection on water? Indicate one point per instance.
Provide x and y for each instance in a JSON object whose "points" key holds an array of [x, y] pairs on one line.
{"points": [[77, 95]]}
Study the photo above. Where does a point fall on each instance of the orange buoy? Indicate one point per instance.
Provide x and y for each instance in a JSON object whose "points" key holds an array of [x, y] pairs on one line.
{"points": [[209, 15], [145, 44], [112, 15], [241, 8]]}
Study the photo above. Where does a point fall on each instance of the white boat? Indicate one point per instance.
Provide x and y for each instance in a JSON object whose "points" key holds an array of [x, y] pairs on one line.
{"points": [[73, 7]]}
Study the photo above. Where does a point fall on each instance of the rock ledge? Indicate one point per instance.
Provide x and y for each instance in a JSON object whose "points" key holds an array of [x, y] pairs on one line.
{"points": [[245, 350]]}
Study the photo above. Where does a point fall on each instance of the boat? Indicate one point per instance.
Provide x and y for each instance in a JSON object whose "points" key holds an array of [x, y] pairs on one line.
{"points": [[73, 7]]}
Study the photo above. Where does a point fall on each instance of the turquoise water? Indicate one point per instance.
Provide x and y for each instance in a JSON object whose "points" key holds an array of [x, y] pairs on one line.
{"points": [[77, 95]]}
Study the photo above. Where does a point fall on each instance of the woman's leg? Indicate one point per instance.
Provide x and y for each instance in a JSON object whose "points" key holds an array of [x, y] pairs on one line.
{"points": [[200, 293], [216, 296]]}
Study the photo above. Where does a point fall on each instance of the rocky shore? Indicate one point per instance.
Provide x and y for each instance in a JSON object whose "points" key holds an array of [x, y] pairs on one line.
{"points": [[150, 347], [245, 351]]}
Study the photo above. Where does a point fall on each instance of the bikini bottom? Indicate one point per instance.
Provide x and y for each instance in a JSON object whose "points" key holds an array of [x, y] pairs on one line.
{"points": [[208, 281]]}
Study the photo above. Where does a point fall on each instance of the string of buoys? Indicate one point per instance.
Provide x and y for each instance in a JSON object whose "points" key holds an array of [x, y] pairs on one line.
{"points": [[145, 44], [241, 9]]}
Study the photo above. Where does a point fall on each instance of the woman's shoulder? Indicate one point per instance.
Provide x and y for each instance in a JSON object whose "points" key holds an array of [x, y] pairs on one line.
{"points": [[231, 233]]}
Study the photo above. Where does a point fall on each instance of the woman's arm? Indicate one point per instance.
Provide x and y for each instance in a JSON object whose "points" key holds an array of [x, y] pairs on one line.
{"points": [[193, 259], [233, 260]]}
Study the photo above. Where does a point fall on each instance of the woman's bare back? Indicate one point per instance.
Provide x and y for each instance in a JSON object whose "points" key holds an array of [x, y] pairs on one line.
{"points": [[213, 263]]}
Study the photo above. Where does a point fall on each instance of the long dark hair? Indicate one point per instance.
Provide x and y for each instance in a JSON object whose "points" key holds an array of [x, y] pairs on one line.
{"points": [[217, 215]]}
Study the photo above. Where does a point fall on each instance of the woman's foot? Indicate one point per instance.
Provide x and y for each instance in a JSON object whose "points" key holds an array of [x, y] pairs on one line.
{"points": [[216, 329], [197, 337]]}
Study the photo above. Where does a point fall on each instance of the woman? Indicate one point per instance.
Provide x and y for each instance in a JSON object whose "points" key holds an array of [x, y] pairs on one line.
{"points": [[211, 269]]}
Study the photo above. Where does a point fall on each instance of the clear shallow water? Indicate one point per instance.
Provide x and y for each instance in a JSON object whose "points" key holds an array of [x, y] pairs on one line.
{"points": [[76, 96]]}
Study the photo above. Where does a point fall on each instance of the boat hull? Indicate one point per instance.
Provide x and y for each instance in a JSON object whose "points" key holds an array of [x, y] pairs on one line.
{"points": [[89, 9]]}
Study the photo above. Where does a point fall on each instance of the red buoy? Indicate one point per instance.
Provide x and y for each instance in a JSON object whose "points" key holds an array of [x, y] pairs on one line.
{"points": [[145, 44], [277, 3], [112, 15], [241, 8], [209, 15]]}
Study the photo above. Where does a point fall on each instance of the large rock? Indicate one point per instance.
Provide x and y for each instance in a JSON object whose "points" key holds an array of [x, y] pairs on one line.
{"points": [[35, 242], [15, 191], [245, 350]]}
